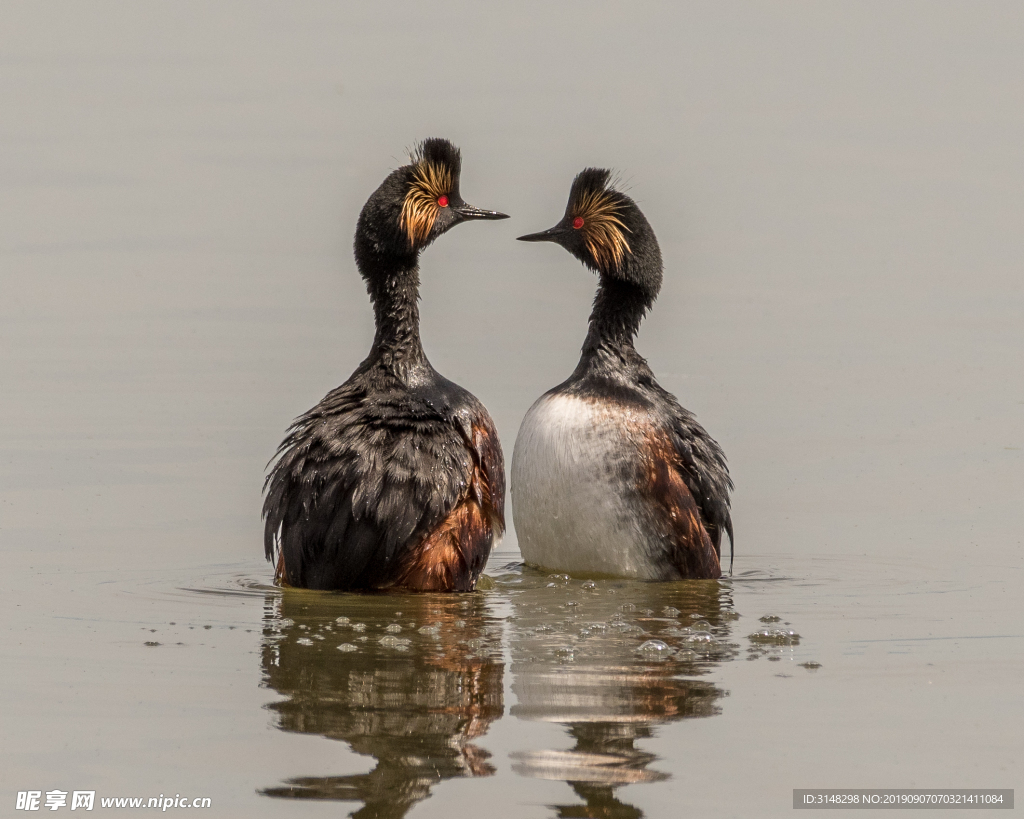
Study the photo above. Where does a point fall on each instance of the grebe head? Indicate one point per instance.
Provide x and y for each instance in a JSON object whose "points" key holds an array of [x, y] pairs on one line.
{"points": [[418, 202], [604, 229]]}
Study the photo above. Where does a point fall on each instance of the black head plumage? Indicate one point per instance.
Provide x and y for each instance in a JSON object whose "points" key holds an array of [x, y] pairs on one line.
{"points": [[606, 230], [413, 206]]}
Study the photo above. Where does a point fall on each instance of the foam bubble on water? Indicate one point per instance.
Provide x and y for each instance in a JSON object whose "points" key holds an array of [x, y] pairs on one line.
{"points": [[394, 628], [319, 637], [431, 631], [671, 611], [342, 621], [390, 641], [696, 616], [701, 625], [771, 618], [359, 627], [565, 653], [589, 585], [654, 648], [811, 665], [627, 607], [346, 647], [775, 637], [304, 641], [562, 579], [460, 624]]}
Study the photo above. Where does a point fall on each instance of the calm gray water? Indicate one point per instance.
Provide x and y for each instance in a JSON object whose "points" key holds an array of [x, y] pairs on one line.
{"points": [[839, 194]]}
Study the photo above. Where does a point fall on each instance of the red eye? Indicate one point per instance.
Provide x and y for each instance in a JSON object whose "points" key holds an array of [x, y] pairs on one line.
{"points": [[577, 223], [442, 201]]}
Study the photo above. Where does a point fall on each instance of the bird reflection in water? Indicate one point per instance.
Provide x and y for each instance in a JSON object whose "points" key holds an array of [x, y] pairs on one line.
{"points": [[415, 699], [612, 661]]}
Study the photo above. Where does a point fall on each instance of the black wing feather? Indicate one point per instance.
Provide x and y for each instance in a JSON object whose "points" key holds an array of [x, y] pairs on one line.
{"points": [[357, 481], [703, 467]]}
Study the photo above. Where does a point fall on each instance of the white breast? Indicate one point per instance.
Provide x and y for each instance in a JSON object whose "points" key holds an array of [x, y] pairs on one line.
{"points": [[575, 470]]}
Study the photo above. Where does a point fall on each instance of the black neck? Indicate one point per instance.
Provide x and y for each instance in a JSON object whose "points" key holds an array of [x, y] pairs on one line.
{"points": [[393, 282], [619, 307]]}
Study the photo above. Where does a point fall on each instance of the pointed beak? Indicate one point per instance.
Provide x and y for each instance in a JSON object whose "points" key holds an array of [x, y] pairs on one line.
{"points": [[549, 235], [467, 212]]}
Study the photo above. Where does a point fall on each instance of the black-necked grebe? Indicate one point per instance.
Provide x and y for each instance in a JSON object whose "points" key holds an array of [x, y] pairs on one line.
{"points": [[396, 478], [610, 475]]}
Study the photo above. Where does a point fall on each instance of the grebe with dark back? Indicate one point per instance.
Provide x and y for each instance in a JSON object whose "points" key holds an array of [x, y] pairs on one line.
{"points": [[610, 475], [396, 478]]}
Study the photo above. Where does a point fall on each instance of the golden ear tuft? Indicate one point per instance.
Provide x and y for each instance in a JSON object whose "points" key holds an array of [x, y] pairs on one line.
{"points": [[419, 209], [604, 232]]}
